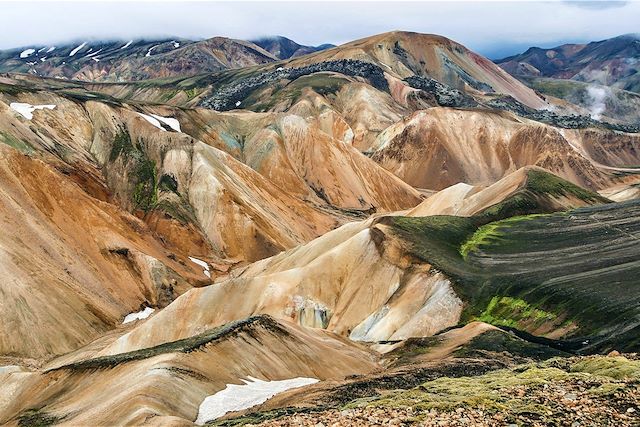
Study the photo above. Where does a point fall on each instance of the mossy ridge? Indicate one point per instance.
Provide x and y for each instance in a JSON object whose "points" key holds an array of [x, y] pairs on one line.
{"points": [[547, 183], [14, 90], [533, 197], [500, 341], [185, 345], [523, 264]]}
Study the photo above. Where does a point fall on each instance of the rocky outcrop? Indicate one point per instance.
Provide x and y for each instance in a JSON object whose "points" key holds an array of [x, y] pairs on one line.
{"points": [[231, 96], [445, 95], [562, 121]]}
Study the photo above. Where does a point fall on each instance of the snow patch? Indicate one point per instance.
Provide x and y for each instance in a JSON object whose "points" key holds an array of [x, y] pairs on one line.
{"points": [[26, 53], [51, 49], [74, 51], [27, 109], [43, 59], [238, 103], [132, 317], [150, 49], [153, 121], [176, 44], [238, 397], [40, 50], [202, 264], [94, 53], [127, 45], [169, 121], [96, 59]]}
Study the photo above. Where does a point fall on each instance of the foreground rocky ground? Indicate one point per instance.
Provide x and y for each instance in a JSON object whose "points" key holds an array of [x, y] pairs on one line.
{"points": [[578, 391]]}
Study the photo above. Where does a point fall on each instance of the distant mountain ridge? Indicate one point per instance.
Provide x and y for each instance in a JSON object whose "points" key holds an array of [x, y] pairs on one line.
{"points": [[285, 48], [612, 62], [131, 60]]}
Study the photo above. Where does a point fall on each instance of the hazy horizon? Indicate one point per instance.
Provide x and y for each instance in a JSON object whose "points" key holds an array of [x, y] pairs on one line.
{"points": [[492, 28]]}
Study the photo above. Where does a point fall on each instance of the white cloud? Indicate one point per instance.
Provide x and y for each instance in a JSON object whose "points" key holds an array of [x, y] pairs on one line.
{"points": [[486, 26]]}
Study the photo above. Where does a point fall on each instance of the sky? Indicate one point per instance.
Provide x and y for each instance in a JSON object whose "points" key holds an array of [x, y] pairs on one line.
{"points": [[492, 28]]}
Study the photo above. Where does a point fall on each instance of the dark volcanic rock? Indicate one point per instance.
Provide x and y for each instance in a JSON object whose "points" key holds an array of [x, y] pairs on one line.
{"points": [[445, 95], [508, 103], [226, 97]]}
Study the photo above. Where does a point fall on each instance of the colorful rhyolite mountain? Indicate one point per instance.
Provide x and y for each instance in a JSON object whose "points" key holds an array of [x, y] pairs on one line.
{"points": [[311, 236]]}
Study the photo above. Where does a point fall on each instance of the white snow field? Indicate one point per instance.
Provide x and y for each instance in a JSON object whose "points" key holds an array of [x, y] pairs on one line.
{"points": [[27, 109], [150, 49], [152, 120], [26, 53], [139, 315], [238, 397], [169, 121], [202, 264], [74, 51], [127, 45]]}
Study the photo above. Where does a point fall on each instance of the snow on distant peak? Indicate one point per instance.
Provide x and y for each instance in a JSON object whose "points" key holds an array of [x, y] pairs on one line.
{"points": [[132, 317], [238, 397], [74, 51], [169, 121], [150, 49], [93, 53], [40, 50], [27, 110], [127, 45], [51, 49], [176, 44], [26, 53]]}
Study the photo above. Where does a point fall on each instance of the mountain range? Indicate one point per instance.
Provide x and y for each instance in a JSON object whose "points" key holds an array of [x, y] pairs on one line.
{"points": [[392, 231], [601, 76], [126, 60], [610, 62]]}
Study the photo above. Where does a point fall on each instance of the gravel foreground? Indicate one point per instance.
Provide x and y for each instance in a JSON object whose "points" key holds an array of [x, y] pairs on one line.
{"points": [[600, 391]]}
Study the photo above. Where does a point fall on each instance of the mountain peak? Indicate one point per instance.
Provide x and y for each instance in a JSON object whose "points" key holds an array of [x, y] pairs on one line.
{"points": [[285, 48]]}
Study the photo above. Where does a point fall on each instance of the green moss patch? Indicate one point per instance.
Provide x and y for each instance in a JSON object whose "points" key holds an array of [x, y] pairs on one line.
{"points": [[122, 145], [526, 389], [145, 193], [618, 368], [547, 183], [16, 143], [37, 418], [514, 312]]}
